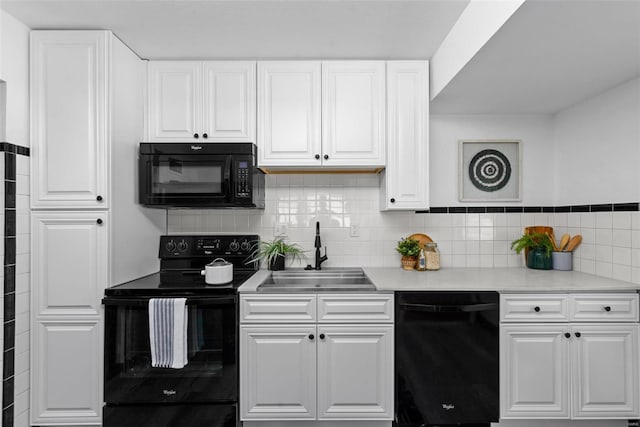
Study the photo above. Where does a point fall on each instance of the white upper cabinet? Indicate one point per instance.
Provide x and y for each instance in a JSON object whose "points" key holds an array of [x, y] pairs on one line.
{"points": [[353, 116], [69, 95], [405, 181], [212, 101], [289, 113], [328, 114], [174, 99]]}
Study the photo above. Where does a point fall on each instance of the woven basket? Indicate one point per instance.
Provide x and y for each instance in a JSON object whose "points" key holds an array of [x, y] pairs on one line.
{"points": [[409, 262]]}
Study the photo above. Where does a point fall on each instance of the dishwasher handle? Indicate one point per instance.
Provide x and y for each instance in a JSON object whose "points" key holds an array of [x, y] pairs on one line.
{"points": [[458, 308]]}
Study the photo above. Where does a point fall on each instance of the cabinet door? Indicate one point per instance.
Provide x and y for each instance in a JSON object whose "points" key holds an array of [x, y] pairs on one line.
{"points": [[229, 113], [355, 372], [69, 262], [289, 113], [406, 177], [66, 372], [69, 119], [534, 374], [278, 372], [175, 100], [353, 113], [605, 371]]}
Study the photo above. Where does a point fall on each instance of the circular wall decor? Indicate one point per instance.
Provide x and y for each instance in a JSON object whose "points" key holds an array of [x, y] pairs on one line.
{"points": [[489, 170]]}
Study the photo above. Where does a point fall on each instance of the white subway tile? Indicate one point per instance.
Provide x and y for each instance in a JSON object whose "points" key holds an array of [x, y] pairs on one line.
{"points": [[458, 261], [22, 185], [604, 236], [604, 269], [622, 272], [573, 220], [604, 254], [635, 239], [486, 247], [514, 220], [500, 233], [500, 220], [473, 260], [635, 220], [587, 220], [588, 266], [586, 251], [22, 165], [486, 261], [622, 256], [604, 219], [486, 220], [486, 233], [635, 275], [622, 238], [635, 257], [588, 234], [472, 220], [622, 220], [472, 233], [472, 247], [500, 261], [460, 248]]}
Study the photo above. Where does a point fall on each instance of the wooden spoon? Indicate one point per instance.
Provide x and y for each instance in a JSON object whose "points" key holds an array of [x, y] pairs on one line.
{"points": [[553, 241], [573, 243], [563, 241]]}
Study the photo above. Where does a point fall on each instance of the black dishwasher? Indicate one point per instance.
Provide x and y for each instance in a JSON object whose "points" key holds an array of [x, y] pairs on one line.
{"points": [[447, 358]]}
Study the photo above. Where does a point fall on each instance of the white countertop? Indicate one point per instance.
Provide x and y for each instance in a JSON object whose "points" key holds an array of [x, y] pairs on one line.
{"points": [[478, 279]]}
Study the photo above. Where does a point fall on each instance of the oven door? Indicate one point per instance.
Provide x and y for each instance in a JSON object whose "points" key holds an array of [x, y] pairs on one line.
{"points": [[185, 179], [211, 374]]}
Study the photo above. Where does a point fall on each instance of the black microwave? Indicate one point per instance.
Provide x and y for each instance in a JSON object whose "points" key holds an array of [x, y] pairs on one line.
{"points": [[210, 175]]}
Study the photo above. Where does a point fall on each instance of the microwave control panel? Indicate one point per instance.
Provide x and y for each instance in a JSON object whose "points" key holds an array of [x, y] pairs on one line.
{"points": [[243, 179]]}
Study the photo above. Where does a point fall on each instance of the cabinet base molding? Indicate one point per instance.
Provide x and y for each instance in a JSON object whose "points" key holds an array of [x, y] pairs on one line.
{"points": [[316, 423]]}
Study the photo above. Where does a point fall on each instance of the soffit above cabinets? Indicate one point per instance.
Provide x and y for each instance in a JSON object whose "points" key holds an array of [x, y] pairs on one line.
{"points": [[256, 29], [548, 56]]}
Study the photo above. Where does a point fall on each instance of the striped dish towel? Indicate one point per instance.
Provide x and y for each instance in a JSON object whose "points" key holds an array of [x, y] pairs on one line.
{"points": [[168, 332]]}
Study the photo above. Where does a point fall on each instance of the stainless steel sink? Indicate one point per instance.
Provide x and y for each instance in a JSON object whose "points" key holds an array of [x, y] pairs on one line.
{"points": [[326, 280]]}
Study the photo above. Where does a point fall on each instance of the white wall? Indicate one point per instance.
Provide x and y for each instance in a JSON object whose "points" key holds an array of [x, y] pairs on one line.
{"points": [[535, 131], [597, 148], [14, 70]]}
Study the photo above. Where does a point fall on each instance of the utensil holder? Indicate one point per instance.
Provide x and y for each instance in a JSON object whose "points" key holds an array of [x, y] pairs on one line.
{"points": [[562, 261]]}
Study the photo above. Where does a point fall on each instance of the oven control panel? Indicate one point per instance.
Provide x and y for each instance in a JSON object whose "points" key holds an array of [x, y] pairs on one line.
{"points": [[179, 246]]}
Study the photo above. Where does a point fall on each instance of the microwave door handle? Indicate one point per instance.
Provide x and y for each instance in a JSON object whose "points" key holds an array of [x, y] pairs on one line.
{"points": [[227, 177], [462, 308]]}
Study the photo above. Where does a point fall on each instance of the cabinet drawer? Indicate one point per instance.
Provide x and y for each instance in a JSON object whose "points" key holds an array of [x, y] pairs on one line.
{"points": [[604, 307], [534, 308], [277, 308], [374, 308]]}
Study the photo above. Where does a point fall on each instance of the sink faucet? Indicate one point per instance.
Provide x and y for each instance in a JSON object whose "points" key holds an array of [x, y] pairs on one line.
{"points": [[318, 245]]}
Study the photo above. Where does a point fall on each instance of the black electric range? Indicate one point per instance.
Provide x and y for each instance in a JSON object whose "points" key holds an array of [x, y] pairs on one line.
{"points": [[204, 393]]}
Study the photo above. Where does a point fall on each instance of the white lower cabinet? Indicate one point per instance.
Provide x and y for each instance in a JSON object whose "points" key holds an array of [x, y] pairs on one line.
{"points": [[353, 371], [570, 370], [278, 368], [317, 370]]}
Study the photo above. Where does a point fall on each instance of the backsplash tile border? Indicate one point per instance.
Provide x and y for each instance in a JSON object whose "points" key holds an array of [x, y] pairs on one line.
{"points": [[9, 152], [602, 207]]}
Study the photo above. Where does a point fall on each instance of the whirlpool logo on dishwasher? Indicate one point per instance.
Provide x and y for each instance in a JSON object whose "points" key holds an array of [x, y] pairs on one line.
{"points": [[448, 406], [168, 392]]}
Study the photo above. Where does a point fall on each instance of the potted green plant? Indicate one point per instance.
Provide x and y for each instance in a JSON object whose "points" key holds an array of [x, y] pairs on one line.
{"points": [[409, 249], [275, 252], [538, 248]]}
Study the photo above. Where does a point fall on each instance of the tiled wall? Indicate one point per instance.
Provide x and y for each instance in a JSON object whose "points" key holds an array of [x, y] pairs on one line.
{"points": [[611, 245], [15, 275]]}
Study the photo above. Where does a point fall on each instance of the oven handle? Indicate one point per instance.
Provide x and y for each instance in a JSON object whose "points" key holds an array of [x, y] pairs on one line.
{"points": [[144, 301], [436, 308]]}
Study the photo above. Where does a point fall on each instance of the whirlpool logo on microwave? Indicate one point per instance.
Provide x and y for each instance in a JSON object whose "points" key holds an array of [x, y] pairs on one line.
{"points": [[169, 392], [196, 147], [448, 406]]}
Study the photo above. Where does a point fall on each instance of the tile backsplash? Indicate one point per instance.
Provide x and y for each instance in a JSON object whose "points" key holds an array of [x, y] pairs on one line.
{"points": [[355, 232]]}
